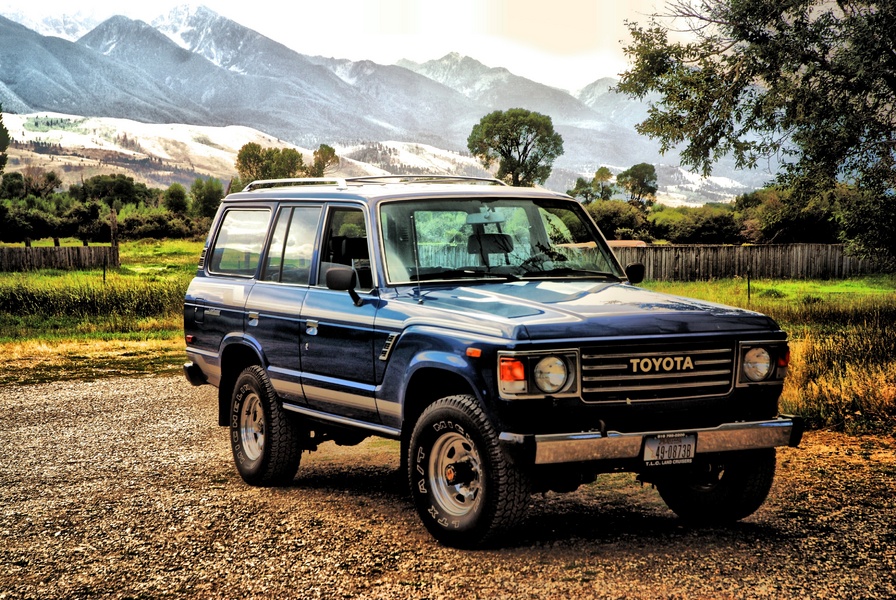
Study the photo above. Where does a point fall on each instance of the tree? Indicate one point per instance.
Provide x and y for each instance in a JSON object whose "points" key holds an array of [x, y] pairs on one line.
{"points": [[854, 212], [808, 83], [640, 183], [707, 224], [176, 199], [601, 183], [114, 190], [12, 186], [325, 160], [40, 182], [599, 187], [522, 142], [255, 163], [207, 195], [584, 190], [4, 142], [614, 216]]}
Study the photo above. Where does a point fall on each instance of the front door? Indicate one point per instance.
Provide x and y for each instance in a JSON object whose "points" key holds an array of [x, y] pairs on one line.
{"points": [[337, 350]]}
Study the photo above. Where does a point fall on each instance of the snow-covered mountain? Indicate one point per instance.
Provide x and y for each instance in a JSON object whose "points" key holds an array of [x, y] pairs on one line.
{"points": [[195, 67], [68, 26]]}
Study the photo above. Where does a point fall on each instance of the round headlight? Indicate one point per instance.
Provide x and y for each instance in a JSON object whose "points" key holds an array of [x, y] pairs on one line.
{"points": [[757, 364], [551, 374]]}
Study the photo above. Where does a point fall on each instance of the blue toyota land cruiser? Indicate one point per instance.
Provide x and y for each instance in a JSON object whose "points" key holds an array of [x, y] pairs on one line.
{"points": [[492, 331]]}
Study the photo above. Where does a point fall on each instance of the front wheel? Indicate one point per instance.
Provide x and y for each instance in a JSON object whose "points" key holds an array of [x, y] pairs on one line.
{"points": [[724, 491], [264, 440], [465, 488]]}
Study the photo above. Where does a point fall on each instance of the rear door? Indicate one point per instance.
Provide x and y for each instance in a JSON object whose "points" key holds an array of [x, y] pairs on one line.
{"points": [[274, 307], [214, 307]]}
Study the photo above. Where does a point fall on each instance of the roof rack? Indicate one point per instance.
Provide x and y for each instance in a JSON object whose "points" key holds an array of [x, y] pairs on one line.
{"points": [[339, 182], [425, 179], [342, 183]]}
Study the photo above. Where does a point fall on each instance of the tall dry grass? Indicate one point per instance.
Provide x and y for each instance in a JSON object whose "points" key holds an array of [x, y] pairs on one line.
{"points": [[842, 334]]}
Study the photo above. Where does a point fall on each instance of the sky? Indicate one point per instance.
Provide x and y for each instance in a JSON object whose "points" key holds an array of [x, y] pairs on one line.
{"points": [[563, 43]]}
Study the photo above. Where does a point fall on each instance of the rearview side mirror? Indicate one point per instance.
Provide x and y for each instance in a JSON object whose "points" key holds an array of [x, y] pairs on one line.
{"points": [[635, 273], [342, 278]]}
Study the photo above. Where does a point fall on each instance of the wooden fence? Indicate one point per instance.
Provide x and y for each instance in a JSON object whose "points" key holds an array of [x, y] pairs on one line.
{"points": [[779, 261], [69, 258]]}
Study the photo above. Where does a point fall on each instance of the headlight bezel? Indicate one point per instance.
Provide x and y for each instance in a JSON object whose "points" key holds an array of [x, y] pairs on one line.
{"points": [[522, 366], [753, 355]]}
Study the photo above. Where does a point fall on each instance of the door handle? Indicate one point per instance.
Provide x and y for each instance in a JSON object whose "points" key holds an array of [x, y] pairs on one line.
{"points": [[311, 327]]}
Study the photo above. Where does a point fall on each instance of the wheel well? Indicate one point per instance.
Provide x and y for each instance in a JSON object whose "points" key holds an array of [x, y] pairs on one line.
{"points": [[427, 386], [234, 360]]}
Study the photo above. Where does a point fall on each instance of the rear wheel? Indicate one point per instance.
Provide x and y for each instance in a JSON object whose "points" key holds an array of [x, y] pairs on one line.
{"points": [[724, 491], [264, 440], [465, 488]]}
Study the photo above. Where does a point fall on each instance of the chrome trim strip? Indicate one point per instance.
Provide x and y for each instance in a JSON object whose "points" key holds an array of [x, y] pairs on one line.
{"points": [[282, 386], [636, 354], [664, 375], [322, 416], [313, 392], [593, 446], [641, 388]]}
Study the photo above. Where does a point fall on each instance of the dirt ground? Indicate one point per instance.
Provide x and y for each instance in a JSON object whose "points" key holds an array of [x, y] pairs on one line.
{"points": [[125, 488]]}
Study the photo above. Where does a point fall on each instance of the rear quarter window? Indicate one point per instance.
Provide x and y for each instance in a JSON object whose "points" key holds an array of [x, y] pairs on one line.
{"points": [[239, 242]]}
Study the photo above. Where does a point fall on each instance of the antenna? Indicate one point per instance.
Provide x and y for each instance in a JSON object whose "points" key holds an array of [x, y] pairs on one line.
{"points": [[419, 291]]}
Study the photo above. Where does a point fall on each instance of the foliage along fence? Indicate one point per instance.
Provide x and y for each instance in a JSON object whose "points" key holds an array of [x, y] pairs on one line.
{"points": [[778, 261], [68, 258]]}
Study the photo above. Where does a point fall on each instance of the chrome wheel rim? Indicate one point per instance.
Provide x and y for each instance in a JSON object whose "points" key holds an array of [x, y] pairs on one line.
{"points": [[455, 474], [252, 428]]}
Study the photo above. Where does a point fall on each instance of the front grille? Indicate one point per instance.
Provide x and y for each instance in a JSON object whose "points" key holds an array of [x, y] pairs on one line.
{"points": [[657, 371]]}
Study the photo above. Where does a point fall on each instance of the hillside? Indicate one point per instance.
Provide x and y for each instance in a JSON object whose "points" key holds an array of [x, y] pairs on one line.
{"points": [[160, 154]]}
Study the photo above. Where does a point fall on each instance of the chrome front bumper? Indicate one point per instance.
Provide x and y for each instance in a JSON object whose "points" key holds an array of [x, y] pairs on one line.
{"points": [[613, 445]]}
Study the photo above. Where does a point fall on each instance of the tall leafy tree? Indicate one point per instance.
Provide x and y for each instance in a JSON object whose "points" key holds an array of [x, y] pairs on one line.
{"points": [[601, 183], [522, 142], [254, 163], [598, 188], [808, 83], [324, 161], [640, 183], [584, 190]]}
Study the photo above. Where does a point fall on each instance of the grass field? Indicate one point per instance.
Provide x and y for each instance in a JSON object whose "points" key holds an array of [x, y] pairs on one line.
{"points": [[58, 325]]}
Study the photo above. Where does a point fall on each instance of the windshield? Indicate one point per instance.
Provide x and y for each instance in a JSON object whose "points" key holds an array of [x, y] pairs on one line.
{"points": [[510, 239]]}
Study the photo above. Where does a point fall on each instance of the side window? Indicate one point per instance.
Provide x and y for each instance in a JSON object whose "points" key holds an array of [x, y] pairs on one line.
{"points": [[239, 242], [345, 243], [292, 245]]}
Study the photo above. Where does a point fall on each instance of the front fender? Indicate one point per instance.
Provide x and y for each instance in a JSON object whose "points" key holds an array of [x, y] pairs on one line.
{"points": [[415, 352]]}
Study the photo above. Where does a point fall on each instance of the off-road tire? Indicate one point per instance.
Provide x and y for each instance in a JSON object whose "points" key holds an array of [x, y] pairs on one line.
{"points": [[466, 489], [733, 489], [264, 440]]}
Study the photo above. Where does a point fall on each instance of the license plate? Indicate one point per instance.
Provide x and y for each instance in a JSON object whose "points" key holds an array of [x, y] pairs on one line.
{"points": [[670, 449]]}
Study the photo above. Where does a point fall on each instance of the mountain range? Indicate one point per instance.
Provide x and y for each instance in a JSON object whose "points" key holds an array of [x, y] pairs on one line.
{"points": [[195, 67]]}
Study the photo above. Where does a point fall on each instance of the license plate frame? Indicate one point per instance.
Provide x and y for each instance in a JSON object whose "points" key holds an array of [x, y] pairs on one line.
{"points": [[664, 449]]}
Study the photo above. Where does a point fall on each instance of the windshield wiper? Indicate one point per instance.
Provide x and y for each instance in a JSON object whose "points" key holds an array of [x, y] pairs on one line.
{"points": [[569, 272], [462, 274]]}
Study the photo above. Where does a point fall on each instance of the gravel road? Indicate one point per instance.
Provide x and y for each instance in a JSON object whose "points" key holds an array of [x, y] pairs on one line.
{"points": [[125, 489]]}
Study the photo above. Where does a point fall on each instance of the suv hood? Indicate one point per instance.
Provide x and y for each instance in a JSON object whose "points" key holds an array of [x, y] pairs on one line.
{"points": [[553, 309]]}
